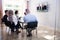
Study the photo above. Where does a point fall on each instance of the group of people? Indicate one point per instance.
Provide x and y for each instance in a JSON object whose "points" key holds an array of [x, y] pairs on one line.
{"points": [[12, 21]]}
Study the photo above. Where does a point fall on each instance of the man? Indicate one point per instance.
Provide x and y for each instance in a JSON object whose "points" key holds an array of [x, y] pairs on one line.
{"points": [[31, 22], [5, 18], [16, 21]]}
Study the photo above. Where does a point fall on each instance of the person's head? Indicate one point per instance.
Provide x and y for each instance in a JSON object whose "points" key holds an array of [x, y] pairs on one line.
{"points": [[16, 12], [27, 11], [10, 12], [6, 12]]}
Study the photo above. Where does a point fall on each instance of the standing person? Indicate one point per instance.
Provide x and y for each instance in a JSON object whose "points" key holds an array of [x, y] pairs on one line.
{"points": [[31, 22]]}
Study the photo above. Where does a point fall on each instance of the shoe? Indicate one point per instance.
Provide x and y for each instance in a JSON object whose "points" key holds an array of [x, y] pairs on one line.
{"points": [[18, 32], [29, 35], [12, 30]]}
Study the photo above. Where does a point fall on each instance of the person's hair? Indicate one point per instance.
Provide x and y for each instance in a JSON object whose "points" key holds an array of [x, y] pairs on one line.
{"points": [[16, 12], [10, 12], [6, 11], [27, 10], [25, 13]]}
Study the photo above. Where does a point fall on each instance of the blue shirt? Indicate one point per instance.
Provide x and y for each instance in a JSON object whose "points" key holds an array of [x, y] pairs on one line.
{"points": [[29, 18]]}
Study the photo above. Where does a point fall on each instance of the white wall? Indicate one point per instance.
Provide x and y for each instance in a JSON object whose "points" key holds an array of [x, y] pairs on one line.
{"points": [[13, 3], [46, 18], [58, 15]]}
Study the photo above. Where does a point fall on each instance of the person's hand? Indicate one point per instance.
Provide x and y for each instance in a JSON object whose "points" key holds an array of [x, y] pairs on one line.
{"points": [[20, 17], [21, 27]]}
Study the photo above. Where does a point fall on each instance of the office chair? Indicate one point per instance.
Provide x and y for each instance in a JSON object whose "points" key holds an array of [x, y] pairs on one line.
{"points": [[33, 26]]}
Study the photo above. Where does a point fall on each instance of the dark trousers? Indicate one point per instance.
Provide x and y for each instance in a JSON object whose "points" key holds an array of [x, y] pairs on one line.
{"points": [[13, 26], [31, 26]]}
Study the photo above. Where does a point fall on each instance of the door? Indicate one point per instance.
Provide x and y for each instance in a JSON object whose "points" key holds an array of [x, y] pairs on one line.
{"points": [[0, 10]]}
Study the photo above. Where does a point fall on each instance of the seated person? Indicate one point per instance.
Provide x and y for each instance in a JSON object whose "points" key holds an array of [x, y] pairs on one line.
{"points": [[5, 19], [31, 22], [16, 22], [11, 20]]}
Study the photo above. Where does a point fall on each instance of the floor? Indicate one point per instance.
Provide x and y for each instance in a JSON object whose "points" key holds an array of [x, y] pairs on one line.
{"points": [[43, 33]]}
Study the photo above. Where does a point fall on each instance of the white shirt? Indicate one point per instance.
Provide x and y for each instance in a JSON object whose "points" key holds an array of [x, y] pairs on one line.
{"points": [[15, 19], [29, 18]]}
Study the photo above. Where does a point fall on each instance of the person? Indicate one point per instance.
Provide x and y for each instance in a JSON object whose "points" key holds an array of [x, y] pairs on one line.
{"points": [[31, 21], [16, 22], [10, 19], [5, 18]]}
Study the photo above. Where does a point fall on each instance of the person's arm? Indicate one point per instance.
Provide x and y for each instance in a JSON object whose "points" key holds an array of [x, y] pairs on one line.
{"points": [[4, 19], [19, 18], [24, 20]]}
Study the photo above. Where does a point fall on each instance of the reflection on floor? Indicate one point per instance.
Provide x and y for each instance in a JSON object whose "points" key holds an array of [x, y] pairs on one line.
{"points": [[44, 33]]}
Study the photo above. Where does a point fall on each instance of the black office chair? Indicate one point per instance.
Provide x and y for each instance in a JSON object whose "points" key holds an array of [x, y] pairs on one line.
{"points": [[33, 26]]}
